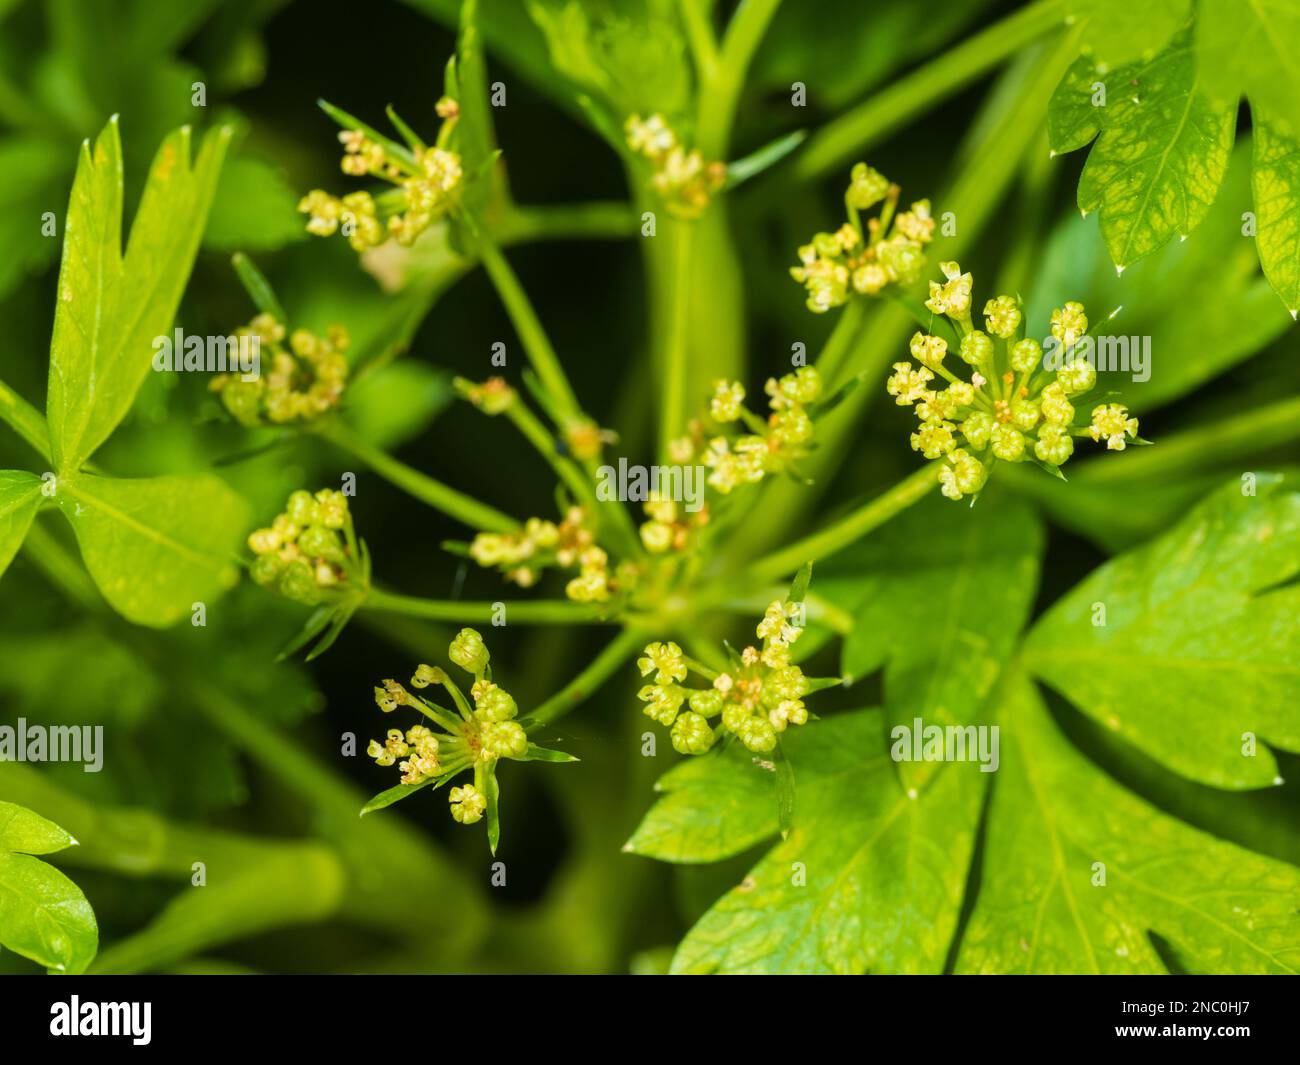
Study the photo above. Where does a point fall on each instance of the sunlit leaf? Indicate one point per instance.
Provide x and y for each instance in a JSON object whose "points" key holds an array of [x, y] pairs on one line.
{"points": [[111, 306], [159, 545], [43, 915], [20, 497], [1078, 872], [1188, 647]]}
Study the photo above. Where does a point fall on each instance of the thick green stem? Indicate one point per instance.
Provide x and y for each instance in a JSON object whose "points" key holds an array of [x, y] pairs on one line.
{"points": [[841, 342], [849, 528], [848, 136], [722, 81], [527, 611], [677, 336], [699, 35], [416, 484], [537, 345], [614, 654], [567, 221]]}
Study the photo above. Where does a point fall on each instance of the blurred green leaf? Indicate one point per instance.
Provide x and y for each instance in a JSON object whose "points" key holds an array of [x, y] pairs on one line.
{"points": [[839, 49], [294, 884], [1250, 48], [1117, 31], [397, 403], [254, 209], [1198, 642], [24, 248]]}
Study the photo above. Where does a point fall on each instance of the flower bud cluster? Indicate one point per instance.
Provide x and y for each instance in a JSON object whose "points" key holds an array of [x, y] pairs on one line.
{"points": [[758, 697], [310, 551], [427, 180], [738, 446], [682, 178], [863, 261], [301, 381], [523, 555]]}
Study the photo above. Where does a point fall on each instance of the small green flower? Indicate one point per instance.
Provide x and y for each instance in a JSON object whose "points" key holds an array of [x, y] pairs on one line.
{"points": [[867, 187], [1054, 444], [1077, 376], [468, 651], [1111, 422], [1069, 324], [1057, 410], [426, 675], [691, 734], [1025, 355], [503, 739], [727, 399], [682, 178], [303, 557], [963, 475], [953, 297], [934, 439], [467, 804], [667, 659], [538, 545], [929, 350], [494, 396], [977, 349], [908, 383], [493, 703], [663, 701], [1002, 316]]}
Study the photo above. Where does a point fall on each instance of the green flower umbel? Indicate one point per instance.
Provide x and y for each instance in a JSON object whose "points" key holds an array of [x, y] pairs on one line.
{"points": [[755, 699], [1013, 408], [296, 383], [311, 554], [480, 731], [426, 183]]}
